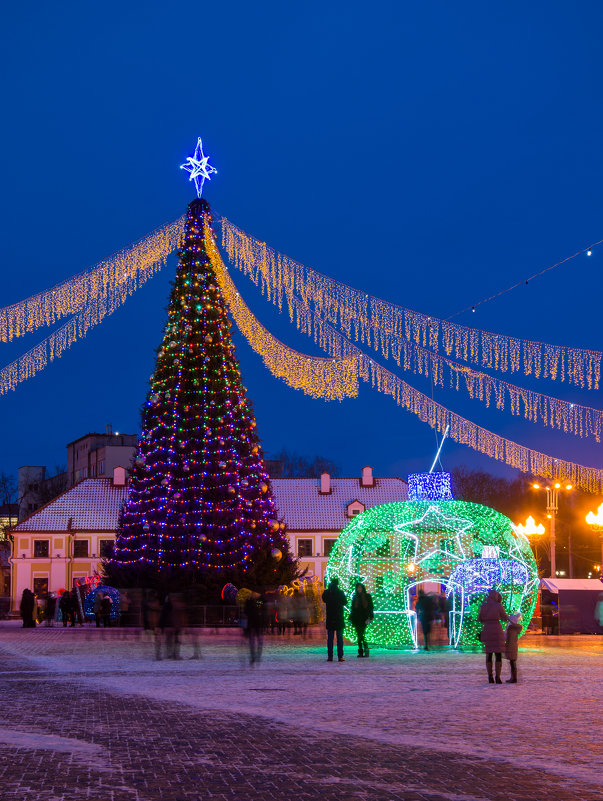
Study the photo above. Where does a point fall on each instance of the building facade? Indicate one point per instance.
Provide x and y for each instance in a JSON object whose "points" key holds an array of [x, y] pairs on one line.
{"points": [[68, 538]]}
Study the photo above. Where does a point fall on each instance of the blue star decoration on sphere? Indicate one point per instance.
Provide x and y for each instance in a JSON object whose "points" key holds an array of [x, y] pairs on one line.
{"points": [[198, 166]]}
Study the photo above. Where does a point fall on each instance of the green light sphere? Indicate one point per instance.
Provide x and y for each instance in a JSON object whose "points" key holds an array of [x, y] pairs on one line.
{"points": [[456, 547]]}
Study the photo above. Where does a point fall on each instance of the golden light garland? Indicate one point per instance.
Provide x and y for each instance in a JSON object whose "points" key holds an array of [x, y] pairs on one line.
{"points": [[328, 379], [105, 286], [384, 325], [439, 417]]}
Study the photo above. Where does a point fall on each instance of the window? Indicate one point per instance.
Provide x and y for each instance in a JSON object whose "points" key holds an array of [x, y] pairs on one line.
{"points": [[40, 586], [93, 471], [80, 549], [41, 548], [85, 472], [101, 467], [304, 547], [328, 546], [355, 512], [105, 549]]}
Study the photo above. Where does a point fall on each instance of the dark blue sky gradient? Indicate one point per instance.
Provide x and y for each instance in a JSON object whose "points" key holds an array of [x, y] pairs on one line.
{"points": [[430, 153]]}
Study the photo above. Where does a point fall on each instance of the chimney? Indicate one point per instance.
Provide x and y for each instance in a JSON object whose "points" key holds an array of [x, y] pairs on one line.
{"points": [[367, 479], [325, 484], [119, 476], [109, 429]]}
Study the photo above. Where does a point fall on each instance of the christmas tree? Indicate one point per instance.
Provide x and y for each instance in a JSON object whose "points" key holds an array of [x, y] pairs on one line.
{"points": [[200, 507]]}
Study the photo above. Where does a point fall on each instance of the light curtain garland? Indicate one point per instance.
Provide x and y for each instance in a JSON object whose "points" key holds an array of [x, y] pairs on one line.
{"points": [[116, 279], [439, 417], [328, 379], [104, 286], [384, 325]]}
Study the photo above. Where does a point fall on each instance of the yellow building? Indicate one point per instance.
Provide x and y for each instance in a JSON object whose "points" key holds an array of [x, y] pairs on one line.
{"points": [[67, 538]]}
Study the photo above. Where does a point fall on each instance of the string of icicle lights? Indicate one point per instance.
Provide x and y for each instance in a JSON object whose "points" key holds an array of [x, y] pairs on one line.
{"points": [[93, 296], [384, 325], [328, 379], [105, 285], [427, 410]]}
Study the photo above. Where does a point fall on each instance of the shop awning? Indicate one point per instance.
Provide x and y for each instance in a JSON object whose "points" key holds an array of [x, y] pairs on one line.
{"points": [[556, 584]]}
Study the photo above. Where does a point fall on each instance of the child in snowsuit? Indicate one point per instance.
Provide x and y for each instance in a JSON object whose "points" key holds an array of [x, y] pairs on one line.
{"points": [[513, 632]]}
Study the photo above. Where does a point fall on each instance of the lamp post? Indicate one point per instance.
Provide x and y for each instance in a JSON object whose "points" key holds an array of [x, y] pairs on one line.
{"points": [[596, 522], [552, 507]]}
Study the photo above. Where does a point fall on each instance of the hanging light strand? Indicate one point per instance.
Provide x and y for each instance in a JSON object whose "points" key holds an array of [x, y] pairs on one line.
{"points": [[319, 377], [105, 285], [375, 322]]}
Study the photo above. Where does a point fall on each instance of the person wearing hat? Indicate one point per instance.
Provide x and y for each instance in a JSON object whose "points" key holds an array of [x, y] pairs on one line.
{"points": [[334, 600]]}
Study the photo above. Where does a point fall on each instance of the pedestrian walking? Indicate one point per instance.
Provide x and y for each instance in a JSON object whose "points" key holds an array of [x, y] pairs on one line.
{"points": [[254, 612], [360, 616], [98, 601], [65, 607], [425, 609], [491, 613], [334, 600], [511, 645]]}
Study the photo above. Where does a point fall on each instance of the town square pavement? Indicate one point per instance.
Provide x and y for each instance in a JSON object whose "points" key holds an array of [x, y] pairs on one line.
{"points": [[91, 714]]}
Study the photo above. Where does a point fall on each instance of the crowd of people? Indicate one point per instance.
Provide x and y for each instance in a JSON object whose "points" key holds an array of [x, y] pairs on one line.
{"points": [[170, 619]]}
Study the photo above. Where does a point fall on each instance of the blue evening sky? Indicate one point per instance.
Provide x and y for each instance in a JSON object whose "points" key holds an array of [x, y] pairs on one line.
{"points": [[430, 153]]}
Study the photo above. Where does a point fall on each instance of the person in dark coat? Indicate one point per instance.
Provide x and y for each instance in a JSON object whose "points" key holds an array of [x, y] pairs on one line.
{"points": [[360, 616], [65, 607], [491, 613], [511, 645], [105, 609], [425, 610], [26, 608], [334, 600], [254, 612]]}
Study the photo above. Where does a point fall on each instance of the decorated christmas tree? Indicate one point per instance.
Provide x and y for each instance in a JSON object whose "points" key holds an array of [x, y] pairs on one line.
{"points": [[200, 507]]}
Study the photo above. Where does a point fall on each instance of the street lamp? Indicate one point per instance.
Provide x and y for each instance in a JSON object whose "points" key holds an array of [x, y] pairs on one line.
{"points": [[530, 529], [596, 521], [552, 507]]}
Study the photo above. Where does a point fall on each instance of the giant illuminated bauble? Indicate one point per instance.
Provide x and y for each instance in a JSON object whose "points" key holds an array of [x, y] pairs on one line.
{"points": [[455, 548]]}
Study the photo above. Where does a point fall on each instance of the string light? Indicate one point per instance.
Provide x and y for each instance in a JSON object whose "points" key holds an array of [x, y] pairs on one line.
{"points": [[328, 379], [370, 320], [99, 290]]}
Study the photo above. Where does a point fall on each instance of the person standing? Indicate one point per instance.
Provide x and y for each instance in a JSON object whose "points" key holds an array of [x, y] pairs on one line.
{"points": [[491, 613], [98, 601], [105, 609], [360, 616], [511, 645], [425, 612], [334, 600], [26, 608]]}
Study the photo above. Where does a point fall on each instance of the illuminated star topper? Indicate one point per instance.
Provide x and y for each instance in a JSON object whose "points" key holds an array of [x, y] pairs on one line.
{"points": [[198, 167]]}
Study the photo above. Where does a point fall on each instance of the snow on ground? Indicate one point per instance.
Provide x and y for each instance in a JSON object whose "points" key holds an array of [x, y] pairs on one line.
{"points": [[440, 699]]}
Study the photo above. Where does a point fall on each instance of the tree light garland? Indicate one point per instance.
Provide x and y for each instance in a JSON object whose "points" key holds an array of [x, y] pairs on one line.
{"points": [[328, 379], [101, 288], [384, 325]]}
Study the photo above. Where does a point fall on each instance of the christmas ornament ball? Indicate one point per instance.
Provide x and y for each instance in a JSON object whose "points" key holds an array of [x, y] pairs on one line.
{"points": [[276, 554]]}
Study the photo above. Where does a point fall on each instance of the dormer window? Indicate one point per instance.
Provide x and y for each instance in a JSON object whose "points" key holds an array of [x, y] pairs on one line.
{"points": [[355, 508]]}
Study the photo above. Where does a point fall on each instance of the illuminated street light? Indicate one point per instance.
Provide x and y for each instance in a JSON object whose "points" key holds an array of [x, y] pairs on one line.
{"points": [[530, 529], [595, 521], [552, 507]]}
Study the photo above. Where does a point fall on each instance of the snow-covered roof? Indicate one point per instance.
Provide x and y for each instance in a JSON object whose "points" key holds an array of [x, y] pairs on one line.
{"points": [[303, 507], [556, 584], [92, 505]]}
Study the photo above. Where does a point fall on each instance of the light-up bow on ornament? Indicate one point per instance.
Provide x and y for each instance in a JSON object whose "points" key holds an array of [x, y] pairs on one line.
{"points": [[198, 167]]}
